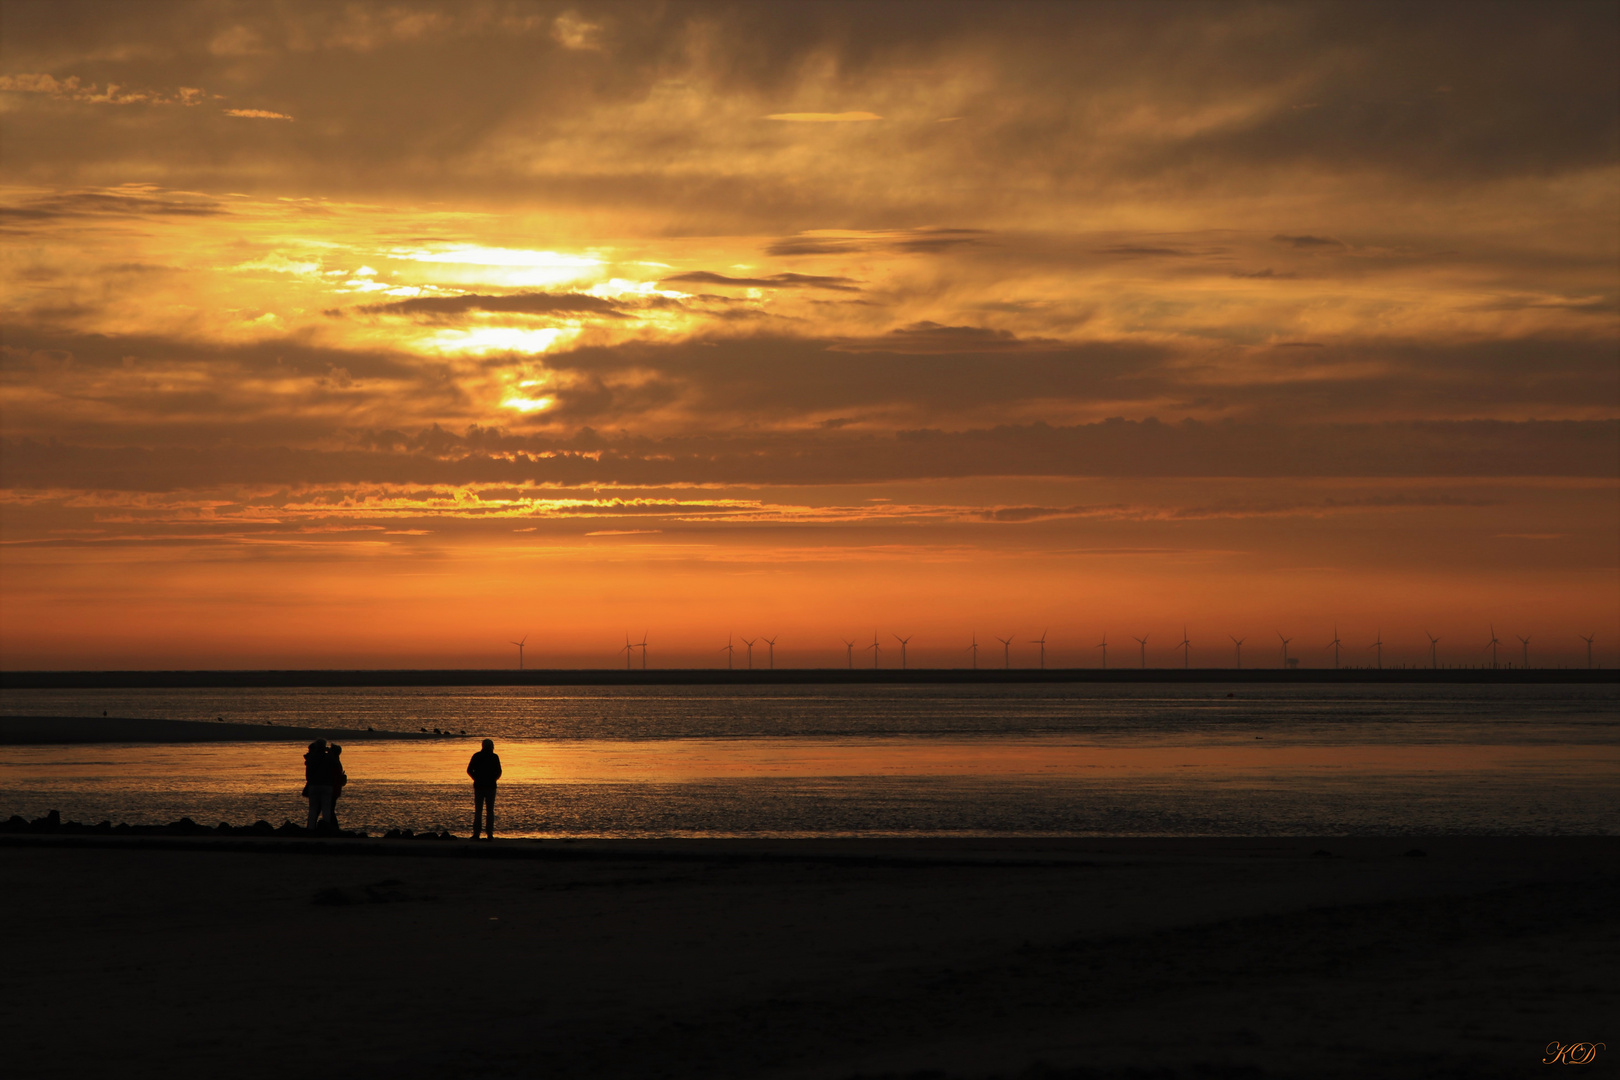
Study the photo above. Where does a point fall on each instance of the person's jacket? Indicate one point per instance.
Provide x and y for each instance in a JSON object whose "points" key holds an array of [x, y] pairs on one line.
{"points": [[484, 768]]}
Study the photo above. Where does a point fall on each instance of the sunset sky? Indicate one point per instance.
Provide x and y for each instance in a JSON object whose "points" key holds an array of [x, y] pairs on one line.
{"points": [[354, 335]]}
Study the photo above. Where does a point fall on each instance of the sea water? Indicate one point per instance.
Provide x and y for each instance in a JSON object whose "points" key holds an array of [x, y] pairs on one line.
{"points": [[779, 761]]}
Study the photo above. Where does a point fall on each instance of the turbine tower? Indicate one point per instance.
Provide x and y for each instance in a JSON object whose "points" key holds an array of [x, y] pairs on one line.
{"points": [[974, 649], [1285, 641], [1334, 645], [750, 643], [1041, 641], [1006, 652], [1526, 642], [1142, 641], [877, 650], [849, 652], [519, 644], [629, 651], [770, 643], [1434, 654], [730, 650], [1186, 650], [1491, 645], [642, 645], [1379, 645], [1588, 639], [1237, 645], [1103, 645], [903, 642]]}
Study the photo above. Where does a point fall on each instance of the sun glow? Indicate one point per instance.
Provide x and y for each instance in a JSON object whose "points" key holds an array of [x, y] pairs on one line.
{"points": [[519, 266], [528, 404]]}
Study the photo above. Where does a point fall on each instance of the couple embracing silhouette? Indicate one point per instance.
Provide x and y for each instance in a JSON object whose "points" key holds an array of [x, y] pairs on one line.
{"points": [[323, 784]]}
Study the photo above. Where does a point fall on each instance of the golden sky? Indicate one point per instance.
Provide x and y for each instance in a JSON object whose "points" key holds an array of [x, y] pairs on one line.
{"points": [[384, 334]]}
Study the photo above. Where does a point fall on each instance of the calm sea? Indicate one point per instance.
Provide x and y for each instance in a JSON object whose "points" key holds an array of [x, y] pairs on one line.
{"points": [[1077, 760]]}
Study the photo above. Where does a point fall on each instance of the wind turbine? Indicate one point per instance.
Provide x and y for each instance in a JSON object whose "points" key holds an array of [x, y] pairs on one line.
{"points": [[629, 650], [1285, 641], [1103, 645], [770, 643], [519, 644], [1006, 652], [642, 645], [730, 650], [750, 643], [1237, 644], [903, 641], [1379, 645], [1526, 649], [1334, 645], [1186, 650], [1041, 641], [1142, 641], [1434, 655], [877, 650], [1491, 645], [849, 648], [974, 649], [1588, 639]]}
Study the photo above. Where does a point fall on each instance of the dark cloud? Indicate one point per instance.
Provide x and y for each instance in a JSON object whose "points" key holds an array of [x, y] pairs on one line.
{"points": [[1119, 448], [774, 281], [516, 303], [924, 241], [925, 370], [100, 352], [1308, 241], [1432, 93], [1132, 250], [933, 338], [113, 203], [179, 391]]}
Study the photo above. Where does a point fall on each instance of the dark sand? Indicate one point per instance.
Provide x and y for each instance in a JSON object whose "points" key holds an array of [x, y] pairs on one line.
{"points": [[45, 730], [806, 959]]}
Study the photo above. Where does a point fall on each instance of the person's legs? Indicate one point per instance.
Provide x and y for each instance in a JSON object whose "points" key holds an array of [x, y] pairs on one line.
{"points": [[484, 811], [489, 813], [478, 810], [328, 815], [320, 805]]}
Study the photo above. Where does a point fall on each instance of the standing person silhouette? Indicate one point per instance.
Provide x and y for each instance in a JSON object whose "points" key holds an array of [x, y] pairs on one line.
{"points": [[485, 769]]}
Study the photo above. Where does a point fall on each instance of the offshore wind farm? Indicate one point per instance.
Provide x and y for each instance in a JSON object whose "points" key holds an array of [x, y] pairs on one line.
{"points": [[933, 661]]}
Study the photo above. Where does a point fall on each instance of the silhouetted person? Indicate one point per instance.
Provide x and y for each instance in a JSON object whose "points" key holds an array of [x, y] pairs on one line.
{"points": [[318, 783], [485, 769], [334, 769]]}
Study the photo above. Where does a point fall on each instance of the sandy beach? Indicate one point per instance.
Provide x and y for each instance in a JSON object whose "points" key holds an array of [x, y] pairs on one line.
{"points": [[948, 958]]}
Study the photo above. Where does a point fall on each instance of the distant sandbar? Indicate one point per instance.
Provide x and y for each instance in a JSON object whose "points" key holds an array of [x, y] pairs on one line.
{"points": [[44, 730]]}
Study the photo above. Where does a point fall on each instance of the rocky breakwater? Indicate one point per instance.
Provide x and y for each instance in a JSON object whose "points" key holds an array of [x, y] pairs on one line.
{"points": [[53, 825]]}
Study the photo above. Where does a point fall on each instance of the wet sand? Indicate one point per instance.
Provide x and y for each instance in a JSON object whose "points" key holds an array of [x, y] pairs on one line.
{"points": [[807, 959]]}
